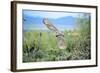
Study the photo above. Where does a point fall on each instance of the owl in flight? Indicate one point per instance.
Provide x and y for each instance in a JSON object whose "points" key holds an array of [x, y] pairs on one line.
{"points": [[60, 37]]}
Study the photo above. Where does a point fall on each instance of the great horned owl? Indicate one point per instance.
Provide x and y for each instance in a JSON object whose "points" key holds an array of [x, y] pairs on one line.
{"points": [[60, 37]]}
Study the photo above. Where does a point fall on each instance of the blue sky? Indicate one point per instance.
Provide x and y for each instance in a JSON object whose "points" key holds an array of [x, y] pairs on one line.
{"points": [[33, 20]]}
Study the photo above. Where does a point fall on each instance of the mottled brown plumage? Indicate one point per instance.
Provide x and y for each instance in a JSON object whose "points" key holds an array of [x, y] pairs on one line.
{"points": [[60, 37]]}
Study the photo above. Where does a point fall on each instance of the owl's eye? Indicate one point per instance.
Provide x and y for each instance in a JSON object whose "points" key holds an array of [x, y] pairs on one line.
{"points": [[57, 35]]}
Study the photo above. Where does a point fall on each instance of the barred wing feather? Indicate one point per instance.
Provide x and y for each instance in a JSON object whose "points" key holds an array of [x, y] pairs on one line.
{"points": [[60, 37]]}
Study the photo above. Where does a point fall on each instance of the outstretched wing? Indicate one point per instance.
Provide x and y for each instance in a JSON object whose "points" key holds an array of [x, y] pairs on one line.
{"points": [[58, 34], [49, 25]]}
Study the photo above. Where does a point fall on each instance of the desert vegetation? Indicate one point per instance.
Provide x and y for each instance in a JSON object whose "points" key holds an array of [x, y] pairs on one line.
{"points": [[41, 46]]}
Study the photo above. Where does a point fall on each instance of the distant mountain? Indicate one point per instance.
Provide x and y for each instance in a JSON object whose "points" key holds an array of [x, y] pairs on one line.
{"points": [[39, 20], [66, 22], [69, 20]]}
